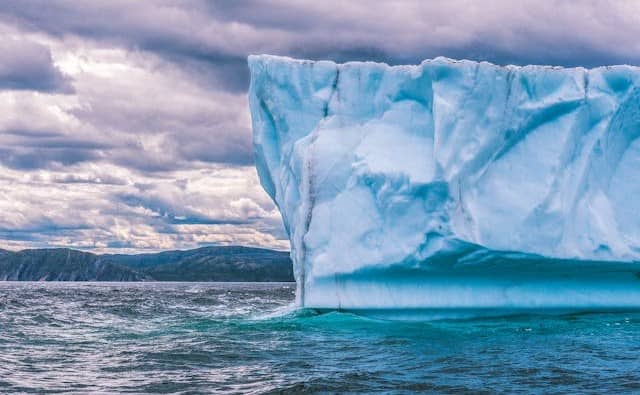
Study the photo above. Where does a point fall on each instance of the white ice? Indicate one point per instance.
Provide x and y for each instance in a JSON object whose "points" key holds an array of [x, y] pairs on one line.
{"points": [[405, 186]]}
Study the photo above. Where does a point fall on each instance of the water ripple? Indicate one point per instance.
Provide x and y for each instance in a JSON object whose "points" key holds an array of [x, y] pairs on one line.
{"points": [[248, 338]]}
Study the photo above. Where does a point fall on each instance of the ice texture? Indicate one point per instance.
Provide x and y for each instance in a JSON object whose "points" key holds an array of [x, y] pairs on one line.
{"points": [[453, 184]]}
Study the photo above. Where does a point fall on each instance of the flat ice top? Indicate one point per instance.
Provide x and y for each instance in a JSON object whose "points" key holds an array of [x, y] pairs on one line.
{"points": [[264, 58]]}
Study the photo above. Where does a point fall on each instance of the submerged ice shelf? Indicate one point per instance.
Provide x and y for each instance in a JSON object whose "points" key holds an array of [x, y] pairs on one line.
{"points": [[453, 184]]}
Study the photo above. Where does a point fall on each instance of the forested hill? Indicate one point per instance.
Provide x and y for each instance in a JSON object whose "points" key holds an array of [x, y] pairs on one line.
{"points": [[228, 263]]}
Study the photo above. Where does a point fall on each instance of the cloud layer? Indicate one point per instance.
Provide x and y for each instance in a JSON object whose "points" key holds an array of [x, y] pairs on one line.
{"points": [[125, 124]]}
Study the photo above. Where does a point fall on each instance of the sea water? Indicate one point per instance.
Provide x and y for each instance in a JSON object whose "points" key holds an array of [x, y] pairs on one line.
{"points": [[248, 338]]}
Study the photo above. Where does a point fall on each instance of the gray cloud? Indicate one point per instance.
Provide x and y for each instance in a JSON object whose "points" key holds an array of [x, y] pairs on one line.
{"points": [[178, 31], [24, 149], [211, 39], [173, 212], [27, 65], [28, 159], [101, 179]]}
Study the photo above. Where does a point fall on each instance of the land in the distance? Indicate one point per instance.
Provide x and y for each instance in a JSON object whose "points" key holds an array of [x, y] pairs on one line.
{"points": [[225, 263]]}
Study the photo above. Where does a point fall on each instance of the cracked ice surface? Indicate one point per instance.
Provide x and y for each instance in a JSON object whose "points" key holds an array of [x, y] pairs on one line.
{"points": [[389, 178]]}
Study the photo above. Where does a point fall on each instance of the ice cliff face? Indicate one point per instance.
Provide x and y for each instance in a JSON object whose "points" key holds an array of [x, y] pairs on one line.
{"points": [[383, 171]]}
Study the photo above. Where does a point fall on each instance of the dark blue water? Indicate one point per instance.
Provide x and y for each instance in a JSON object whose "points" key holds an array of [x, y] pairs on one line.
{"points": [[245, 338]]}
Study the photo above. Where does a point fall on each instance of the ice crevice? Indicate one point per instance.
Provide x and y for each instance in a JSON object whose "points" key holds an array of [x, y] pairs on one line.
{"points": [[452, 184]]}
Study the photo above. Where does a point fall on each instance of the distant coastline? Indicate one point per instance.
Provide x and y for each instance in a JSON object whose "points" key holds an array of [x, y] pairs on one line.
{"points": [[223, 263]]}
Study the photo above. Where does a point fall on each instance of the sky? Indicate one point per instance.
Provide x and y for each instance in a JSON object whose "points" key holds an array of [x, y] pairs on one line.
{"points": [[124, 125]]}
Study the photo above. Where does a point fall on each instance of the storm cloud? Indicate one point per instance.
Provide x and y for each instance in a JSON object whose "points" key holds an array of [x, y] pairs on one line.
{"points": [[27, 66]]}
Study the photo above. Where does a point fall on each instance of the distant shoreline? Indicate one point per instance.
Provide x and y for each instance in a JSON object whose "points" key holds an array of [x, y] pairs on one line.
{"points": [[140, 282], [206, 264]]}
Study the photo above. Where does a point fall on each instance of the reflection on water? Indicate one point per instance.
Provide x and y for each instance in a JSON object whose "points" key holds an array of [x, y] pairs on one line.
{"points": [[247, 338]]}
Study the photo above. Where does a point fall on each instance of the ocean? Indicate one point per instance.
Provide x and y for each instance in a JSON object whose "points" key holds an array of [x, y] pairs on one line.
{"points": [[191, 338]]}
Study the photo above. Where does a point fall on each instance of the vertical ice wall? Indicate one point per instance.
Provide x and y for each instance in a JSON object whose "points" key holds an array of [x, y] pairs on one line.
{"points": [[380, 169]]}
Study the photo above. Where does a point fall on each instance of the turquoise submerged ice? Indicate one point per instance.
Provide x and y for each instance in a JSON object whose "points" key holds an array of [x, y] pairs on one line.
{"points": [[453, 184]]}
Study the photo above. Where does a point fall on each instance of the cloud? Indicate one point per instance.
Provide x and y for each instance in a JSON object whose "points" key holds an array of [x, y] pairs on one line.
{"points": [[131, 110], [27, 65], [224, 32], [79, 207], [178, 31], [174, 212], [27, 158], [167, 117]]}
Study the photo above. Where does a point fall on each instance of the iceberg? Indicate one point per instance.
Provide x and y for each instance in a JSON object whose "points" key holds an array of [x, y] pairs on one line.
{"points": [[453, 185]]}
